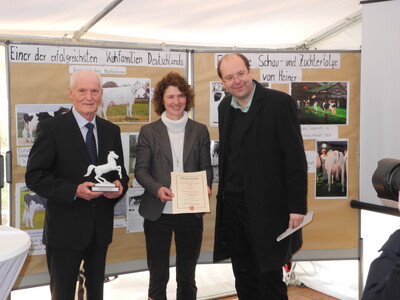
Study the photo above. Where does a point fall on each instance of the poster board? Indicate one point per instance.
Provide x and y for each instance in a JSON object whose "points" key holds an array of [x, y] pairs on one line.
{"points": [[39, 74], [38, 77], [333, 233]]}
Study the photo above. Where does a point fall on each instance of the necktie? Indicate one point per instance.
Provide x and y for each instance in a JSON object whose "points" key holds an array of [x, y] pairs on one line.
{"points": [[91, 143]]}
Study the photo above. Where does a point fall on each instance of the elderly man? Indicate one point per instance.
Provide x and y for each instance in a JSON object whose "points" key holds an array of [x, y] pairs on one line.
{"points": [[79, 222]]}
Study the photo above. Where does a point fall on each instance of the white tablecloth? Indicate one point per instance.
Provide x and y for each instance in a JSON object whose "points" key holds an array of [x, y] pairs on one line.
{"points": [[14, 246]]}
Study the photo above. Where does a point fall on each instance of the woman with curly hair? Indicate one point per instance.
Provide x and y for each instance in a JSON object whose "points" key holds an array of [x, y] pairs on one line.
{"points": [[174, 143]]}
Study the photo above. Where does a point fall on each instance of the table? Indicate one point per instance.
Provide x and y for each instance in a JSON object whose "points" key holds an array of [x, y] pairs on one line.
{"points": [[14, 247]]}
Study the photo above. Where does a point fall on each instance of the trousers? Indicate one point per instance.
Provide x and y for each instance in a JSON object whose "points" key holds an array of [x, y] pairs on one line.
{"points": [[64, 266], [187, 230], [250, 282]]}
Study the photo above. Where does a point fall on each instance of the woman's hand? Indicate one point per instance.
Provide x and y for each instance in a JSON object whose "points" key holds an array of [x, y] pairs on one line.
{"points": [[165, 194]]}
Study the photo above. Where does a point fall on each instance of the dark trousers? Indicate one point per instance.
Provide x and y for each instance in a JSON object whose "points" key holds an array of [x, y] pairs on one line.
{"points": [[64, 265], [251, 283], [188, 231]]}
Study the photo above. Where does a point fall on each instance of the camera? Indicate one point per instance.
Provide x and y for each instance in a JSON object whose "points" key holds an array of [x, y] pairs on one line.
{"points": [[386, 179]]}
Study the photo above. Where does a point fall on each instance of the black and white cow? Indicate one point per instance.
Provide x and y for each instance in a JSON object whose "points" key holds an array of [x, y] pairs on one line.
{"points": [[134, 200], [33, 203], [31, 121]]}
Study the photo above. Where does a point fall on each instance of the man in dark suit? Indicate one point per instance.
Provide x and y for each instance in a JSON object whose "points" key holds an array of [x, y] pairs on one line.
{"points": [[79, 223], [263, 181], [384, 272]]}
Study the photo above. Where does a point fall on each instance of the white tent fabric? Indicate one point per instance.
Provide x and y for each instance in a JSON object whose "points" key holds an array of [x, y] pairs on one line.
{"points": [[233, 23]]}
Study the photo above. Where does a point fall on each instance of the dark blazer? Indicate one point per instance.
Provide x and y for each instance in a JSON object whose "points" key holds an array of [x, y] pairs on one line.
{"points": [[384, 272], [154, 161], [56, 166], [274, 173]]}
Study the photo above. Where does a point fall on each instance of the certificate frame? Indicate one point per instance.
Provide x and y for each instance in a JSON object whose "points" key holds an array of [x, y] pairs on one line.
{"points": [[190, 192]]}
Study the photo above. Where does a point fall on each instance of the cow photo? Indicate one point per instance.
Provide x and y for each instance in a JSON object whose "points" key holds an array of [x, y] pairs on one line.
{"points": [[31, 210], [321, 102], [134, 219], [331, 162], [217, 93], [28, 117], [125, 100], [214, 151], [133, 139]]}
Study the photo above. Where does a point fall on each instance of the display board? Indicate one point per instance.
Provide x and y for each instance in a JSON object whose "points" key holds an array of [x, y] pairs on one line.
{"points": [[325, 87], [38, 82]]}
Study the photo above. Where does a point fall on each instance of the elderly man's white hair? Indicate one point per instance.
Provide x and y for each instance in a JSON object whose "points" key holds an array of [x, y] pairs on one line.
{"points": [[75, 75]]}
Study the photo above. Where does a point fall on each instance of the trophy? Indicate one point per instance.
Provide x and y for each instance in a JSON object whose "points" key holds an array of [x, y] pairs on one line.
{"points": [[103, 185]]}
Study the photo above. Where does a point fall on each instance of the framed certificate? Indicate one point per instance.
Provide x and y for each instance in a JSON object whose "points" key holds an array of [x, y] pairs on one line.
{"points": [[190, 192]]}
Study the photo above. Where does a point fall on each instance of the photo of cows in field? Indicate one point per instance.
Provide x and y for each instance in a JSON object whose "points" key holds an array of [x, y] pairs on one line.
{"points": [[331, 176], [321, 102], [28, 117]]}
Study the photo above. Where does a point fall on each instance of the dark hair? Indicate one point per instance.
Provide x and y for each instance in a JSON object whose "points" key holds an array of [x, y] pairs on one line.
{"points": [[244, 58], [176, 80]]}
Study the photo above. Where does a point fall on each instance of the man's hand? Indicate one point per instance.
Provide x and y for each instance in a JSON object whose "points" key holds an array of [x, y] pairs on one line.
{"points": [[83, 191], [165, 194], [113, 195], [295, 220]]}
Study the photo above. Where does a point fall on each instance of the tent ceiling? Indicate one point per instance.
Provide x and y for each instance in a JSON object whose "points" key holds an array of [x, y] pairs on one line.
{"points": [[232, 23]]}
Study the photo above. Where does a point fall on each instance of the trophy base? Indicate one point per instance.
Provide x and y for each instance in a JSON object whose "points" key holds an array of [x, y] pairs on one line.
{"points": [[104, 188]]}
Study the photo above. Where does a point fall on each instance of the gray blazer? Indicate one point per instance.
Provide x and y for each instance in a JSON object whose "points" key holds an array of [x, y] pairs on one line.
{"points": [[154, 161]]}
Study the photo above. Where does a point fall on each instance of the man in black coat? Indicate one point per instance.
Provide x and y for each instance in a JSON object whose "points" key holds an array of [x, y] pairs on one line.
{"points": [[263, 181], [79, 223], [383, 282]]}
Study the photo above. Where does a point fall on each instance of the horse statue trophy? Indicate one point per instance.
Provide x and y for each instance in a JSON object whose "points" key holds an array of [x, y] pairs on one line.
{"points": [[103, 185]]}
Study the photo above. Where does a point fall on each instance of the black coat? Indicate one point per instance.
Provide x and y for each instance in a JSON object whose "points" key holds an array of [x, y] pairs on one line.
{"points": [[56, 166], [274, 170], [384, 272]]}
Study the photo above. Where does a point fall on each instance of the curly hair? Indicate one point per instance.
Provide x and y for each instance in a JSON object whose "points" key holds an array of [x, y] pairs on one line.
{"points": [[176, 80]]}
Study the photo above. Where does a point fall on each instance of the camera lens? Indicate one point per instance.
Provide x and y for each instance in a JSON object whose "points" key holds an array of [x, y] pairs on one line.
{"points": [[386, 178]]}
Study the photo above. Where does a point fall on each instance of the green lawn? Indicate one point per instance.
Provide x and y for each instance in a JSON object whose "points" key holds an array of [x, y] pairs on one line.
{"points": [[140, 113]]}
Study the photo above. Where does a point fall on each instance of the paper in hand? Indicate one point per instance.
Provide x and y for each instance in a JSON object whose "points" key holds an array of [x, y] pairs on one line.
{"points": [[307, 219]]}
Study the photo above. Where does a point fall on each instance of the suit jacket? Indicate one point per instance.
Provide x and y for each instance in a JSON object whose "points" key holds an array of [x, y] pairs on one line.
{"points": [[384, 272], [154, 161], [274, 173], [56, 166]]}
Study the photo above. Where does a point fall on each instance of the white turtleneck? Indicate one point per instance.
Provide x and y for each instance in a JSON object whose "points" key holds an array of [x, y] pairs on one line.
{"points": [[176, 134]]}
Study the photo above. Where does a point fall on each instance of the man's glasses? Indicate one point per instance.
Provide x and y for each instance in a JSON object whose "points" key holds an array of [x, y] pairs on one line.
{"points": [[239, 76]]}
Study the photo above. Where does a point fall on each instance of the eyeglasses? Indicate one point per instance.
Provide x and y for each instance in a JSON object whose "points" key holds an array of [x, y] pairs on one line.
{"points": [[239, 76]]}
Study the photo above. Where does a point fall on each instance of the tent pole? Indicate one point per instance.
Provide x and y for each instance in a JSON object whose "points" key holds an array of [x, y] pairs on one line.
{"points": [[77, 34], [331, 31]]}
